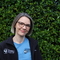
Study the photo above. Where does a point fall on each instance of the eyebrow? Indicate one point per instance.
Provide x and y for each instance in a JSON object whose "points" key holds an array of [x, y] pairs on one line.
{"points": [[23, 22]]}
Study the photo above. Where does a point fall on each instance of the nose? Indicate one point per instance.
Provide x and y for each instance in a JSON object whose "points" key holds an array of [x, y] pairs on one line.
{"points": [[24, 27]]}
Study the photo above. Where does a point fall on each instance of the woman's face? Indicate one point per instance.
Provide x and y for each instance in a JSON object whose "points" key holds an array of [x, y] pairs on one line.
{"points": [[22, 26]]}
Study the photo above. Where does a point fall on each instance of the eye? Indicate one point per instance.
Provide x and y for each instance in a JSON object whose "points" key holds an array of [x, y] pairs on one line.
{"points": [[21, 23], [28, 25]]}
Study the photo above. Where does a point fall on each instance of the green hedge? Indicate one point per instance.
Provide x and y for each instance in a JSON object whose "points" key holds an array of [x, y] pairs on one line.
{"points": [[46, 16]]}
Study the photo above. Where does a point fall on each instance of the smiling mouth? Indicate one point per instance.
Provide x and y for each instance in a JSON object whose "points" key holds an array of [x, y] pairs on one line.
{"points": [[23, 31]]}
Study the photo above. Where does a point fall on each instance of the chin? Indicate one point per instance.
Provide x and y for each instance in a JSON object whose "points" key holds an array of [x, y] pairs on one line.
{"points": [[22, 35]]}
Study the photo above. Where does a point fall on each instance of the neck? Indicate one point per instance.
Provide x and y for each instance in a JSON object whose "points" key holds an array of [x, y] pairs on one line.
{"points": [[18, 39]]}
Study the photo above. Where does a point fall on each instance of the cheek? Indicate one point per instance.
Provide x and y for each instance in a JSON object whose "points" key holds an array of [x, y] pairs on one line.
{"points": [[16, 26]]}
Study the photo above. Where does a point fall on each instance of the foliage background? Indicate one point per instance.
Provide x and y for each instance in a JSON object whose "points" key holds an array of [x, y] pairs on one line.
{"points": [[46, 16]]}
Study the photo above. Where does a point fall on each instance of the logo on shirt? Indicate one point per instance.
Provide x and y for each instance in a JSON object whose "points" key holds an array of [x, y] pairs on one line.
{"points": [[26, 51], [6, 51]]}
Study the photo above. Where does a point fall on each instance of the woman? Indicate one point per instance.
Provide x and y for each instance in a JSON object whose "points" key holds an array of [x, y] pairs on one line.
{"points": [[20, 46]]}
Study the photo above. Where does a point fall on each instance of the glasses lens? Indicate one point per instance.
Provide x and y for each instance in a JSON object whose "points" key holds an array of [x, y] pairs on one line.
{"points": [[23, 24]]}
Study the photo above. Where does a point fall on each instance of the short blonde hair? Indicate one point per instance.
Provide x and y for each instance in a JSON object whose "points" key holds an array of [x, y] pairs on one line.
{"points": [[16, 20]]}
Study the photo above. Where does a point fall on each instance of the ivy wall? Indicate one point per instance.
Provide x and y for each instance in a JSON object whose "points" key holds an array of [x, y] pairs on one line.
{"points": [[46, 17]]}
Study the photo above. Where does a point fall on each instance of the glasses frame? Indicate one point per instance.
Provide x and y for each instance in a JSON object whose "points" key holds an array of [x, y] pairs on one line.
{"points": [[23, 24]]}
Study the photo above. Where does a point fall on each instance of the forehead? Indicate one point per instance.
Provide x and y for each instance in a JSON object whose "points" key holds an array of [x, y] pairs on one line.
{"points": [[25, 20]]}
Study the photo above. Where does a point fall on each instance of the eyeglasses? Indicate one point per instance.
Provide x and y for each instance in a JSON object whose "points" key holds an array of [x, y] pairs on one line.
{"points": [[23, 24]]}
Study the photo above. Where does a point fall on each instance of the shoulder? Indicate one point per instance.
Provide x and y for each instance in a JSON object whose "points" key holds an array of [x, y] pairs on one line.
{"points": [[32, 40], [3, 43]]}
